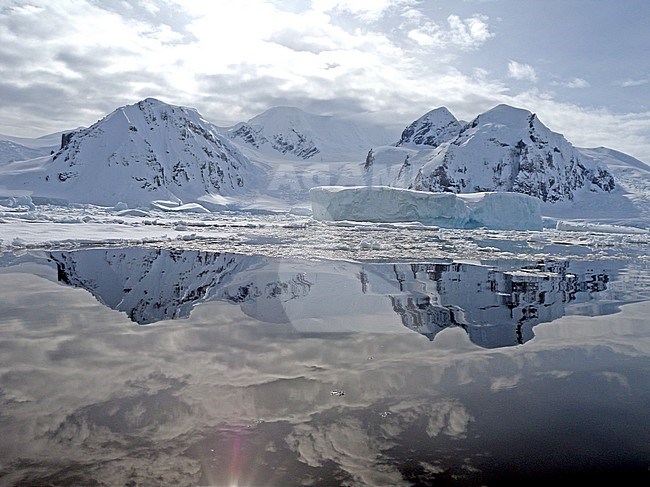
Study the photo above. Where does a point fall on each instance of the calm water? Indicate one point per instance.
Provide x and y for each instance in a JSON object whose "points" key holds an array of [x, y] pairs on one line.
{"points": [[140, 366]]}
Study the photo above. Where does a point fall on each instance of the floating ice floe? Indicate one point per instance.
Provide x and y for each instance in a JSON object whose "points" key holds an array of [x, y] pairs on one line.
{"points": [[499, 211], [18, 202], [175, 207], [598, 228], [132, 212]]}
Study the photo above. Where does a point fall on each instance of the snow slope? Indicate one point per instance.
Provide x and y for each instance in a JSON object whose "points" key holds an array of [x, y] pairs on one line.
{"points": [[628, 204], [138, 154], [11, 151], [288, 133], [23, 148], [632, 176], [14, 148], [49, 141]]}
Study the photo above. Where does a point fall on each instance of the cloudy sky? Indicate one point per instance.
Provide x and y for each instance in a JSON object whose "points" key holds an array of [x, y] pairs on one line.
{"points": [[581, 65]]}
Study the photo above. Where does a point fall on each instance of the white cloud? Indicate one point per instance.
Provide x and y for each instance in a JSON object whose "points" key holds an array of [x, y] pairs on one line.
{"points": [[366, 10], [470, 32], [464, 34], [521, 71], [578, 83], [574, 83], [634, 82], [255, 55], [67, 64]]}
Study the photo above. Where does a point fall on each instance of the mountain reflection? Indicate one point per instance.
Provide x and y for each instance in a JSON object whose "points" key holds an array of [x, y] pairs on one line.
{"points": [[496, 307]]}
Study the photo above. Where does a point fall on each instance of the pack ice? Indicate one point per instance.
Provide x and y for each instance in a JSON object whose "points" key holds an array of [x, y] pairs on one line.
{"points": [[499, 211]]}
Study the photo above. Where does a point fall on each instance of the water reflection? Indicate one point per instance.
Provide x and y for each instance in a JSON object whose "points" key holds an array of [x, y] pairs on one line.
{"points": [[495, 307], [223, 398]]}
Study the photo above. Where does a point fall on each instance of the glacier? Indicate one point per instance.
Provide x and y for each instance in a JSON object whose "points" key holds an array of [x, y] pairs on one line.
{"points": [[499, 211]]}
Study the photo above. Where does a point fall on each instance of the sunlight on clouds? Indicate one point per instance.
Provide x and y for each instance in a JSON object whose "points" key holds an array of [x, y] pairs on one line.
{"points": [[233, 30], [295, 53], [277, 54], [274, 41], [232, 60], [25, 9]]}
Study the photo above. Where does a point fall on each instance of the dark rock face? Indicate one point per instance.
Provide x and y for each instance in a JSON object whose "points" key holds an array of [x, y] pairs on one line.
{"points": [[432, 129], [292, 142], [65, 139], [295, 143]]}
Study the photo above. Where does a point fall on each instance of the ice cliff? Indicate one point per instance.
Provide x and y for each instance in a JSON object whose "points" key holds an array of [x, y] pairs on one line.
{"points": [[503, 211]]}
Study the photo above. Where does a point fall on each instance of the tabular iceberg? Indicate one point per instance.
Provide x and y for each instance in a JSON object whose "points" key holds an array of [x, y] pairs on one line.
{"points": [[499, 211]]}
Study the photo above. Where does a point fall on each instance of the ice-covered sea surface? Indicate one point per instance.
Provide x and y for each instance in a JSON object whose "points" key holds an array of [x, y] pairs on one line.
{"points": [[142, 347]]}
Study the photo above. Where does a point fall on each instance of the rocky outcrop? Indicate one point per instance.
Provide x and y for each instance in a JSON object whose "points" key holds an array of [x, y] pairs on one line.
{"points": [[432, 129]]}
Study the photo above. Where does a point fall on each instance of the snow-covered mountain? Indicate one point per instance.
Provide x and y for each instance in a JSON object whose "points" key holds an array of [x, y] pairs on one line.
{"points": [[612, 158], [153, 151], [632, 177], [50, 141], [23, 148], [503, 149], [139, 153], [289, 133], [11, 151]]}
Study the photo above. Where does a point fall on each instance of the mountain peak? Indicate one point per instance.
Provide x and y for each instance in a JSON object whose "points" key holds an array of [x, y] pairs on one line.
{"points": [[506, 115], [285, 110], [282, 118], [153, 101], [431, 129], [442, 113]]}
